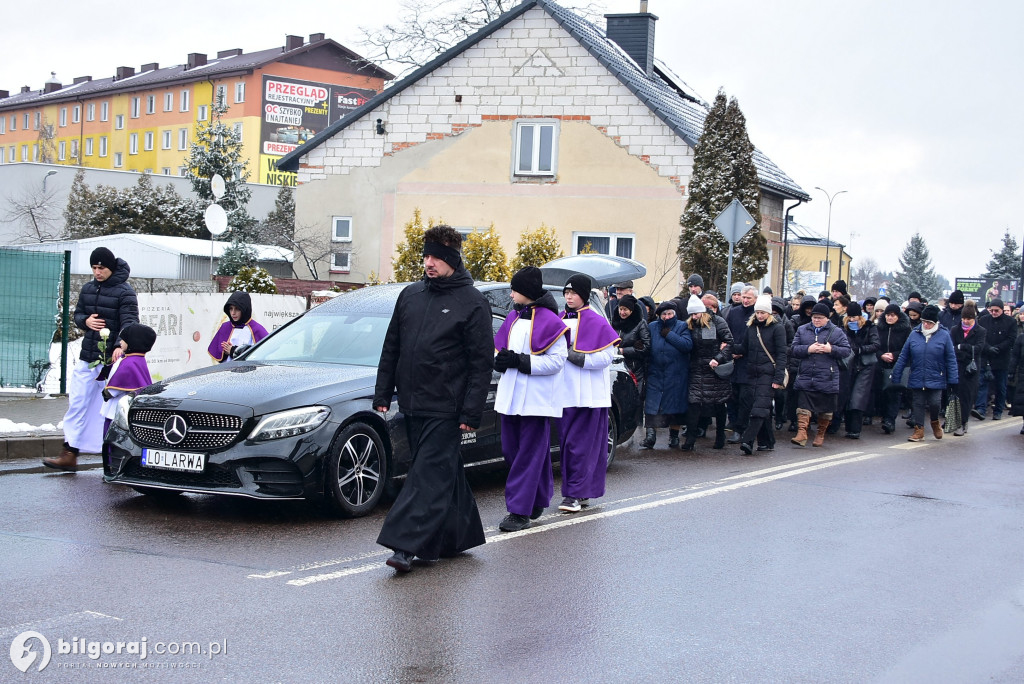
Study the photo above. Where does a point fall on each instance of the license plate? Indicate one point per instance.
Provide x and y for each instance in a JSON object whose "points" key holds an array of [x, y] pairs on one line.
{"points": [[173, 460]]}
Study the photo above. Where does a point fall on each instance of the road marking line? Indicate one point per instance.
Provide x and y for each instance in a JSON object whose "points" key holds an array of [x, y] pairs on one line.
{"points": [[55, 622], [703, 491], [909, 445]]}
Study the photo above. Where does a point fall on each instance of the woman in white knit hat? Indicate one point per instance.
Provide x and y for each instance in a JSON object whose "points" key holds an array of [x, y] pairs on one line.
{"points": [[764, 347], [712, 346]]}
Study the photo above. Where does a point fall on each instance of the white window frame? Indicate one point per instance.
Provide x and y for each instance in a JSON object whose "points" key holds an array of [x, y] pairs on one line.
{"points": [[537, 128], [63, 119], [62, 151], [182, 139], [90, 111], [3, 125], [166, 171], [12, 153], [167, 139], [14, 122], [240, 92], [151, 104], [104, 111], [238, 130], [613, 241], [24, 153], [824, 265], [25, 121], [202, 111], [118, 160], [36, 121], [182, 171], [119, 122], [103, 146], [35, 152], [184, 100], [74, 148], [76, 113], [345, 266], [147, 143], [220, 94], [339, 221], [136, 107], [168, 102], [88, 147], [133, 143]]}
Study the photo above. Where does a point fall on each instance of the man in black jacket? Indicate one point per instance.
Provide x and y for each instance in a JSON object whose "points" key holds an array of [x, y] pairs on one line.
{"points": [[106, 303], [438, 353], [1000, 334]]}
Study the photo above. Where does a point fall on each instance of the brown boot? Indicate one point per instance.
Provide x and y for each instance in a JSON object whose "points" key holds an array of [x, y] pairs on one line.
{"points": [[823, 421], [918, 434], [803, 420], [936, 429], [67, 460]]}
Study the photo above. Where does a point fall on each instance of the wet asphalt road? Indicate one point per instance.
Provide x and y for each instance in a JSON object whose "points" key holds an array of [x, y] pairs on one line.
{"points": [[870, 560]]}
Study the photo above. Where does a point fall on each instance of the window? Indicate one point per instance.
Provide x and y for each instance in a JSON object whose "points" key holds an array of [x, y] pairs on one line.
{"points": [[148, 144], [14, 122], [103, 146], [151, 104], [3, 125], [184, 100], [201, 112], [136, 105], [239, 92], [342, 230], [35, 153], [536, 145], [36, 123], [24, 153], [238, 131], [167, 170], [825, 266], [119, 122], [25, 121], [76, 113], [11, 154], [62, 151], [104, 110], [182, 138], [118, 160], [182, 171], [603, 243], [63, 117], [74, 149], [133, 143], [90, 111], [168, 101], [165, 143], [222, 94], [340, 261], [88, 147]]}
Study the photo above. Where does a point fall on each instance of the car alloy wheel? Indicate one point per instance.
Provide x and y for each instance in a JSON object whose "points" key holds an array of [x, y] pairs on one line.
{"points": [[357, 471], [613, 436]]}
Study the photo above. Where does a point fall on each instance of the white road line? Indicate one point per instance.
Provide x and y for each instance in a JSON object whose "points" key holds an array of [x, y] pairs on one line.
{"points": [[825, 462], [55, 622]]}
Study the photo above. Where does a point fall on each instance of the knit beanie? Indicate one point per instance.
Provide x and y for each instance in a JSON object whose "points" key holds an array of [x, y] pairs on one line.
{"points": [[893, 309], [854, 310], [694, 305], [763, 303], [529, 282], [580, 284], [997, 302], [737, 288], [695, 279], [930, 313], [666, 305], [101, 256], [839, 286], [628, 301], [821, 308], [956, 297]]}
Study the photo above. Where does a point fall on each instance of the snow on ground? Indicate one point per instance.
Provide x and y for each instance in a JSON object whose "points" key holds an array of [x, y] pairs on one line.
{"points": [[10, 427]]}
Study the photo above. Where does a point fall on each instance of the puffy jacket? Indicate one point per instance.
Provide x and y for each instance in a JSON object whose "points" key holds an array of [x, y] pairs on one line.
{"points": [[633, 330], [438, 351], [114, 301], [705, 386], [668, 368], [761, 370], [736, 318], [1000, 334], [819, 372], [932, 363]]}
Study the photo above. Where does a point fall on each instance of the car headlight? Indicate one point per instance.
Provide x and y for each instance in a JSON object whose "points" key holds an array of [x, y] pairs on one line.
{"points": [[289, 423], [124, 402]]}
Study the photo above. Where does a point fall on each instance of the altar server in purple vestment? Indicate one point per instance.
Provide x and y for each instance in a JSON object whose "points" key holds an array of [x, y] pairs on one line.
{"points": [[131, 373], [238, 332], [586, 397], [532, 349]]}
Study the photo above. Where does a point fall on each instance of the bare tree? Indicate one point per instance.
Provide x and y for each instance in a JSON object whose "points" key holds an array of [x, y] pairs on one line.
{"points": [[47, 146], [666, 264], [36, 214]]}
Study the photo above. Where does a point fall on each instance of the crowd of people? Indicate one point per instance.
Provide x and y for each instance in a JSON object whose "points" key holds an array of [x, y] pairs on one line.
{"points": [[825, 363]]}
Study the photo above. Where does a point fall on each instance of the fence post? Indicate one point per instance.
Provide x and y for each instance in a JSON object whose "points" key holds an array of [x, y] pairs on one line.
{"points": [[65, 323]]}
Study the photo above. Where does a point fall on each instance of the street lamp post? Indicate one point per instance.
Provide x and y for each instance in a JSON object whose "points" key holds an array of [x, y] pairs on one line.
{"points": [[828, 236]]}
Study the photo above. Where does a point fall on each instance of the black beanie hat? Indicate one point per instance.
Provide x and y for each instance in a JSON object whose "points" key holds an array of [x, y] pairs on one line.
{"points": [[930, 313], [853, 311], [695, 279], [821, 308], [893, 309], [839, 285], [140, 338], [101, 256], [997, 302], [580, 284], [665, 306], [914, 295], [529, 282], [956, 297], [628, 301]]}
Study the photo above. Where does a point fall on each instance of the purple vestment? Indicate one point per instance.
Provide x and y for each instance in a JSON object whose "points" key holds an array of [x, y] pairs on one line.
{"points": [[526, 446], [584, 457], [593, 333], [131, 374], [216, 351], [545, 329]]}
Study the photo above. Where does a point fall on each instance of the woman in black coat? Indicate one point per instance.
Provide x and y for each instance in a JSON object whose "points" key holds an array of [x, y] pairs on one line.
{"points": [[765, 349], [969, 343], [864, 341], [1017, 366], [893, 331], [712, 346], [630, 322]]}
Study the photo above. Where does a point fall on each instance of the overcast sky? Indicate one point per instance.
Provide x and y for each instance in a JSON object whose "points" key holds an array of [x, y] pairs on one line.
{"points": [[913, 107]]}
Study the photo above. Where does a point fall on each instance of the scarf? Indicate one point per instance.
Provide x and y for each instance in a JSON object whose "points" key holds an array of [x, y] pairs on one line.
{"points": [[928, 332]]}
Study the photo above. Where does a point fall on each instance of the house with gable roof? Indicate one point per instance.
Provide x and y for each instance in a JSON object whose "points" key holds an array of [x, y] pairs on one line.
{"points": [[540, 117]]}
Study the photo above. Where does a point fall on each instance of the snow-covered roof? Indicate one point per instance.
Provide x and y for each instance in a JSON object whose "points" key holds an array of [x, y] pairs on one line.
{"points": [[119, 244], [802, 235]]}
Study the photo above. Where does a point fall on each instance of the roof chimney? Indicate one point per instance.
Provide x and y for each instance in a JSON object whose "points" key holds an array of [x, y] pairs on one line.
{"points": [[124, 72], [25, 89], [195, 59], [82, 79], [229, 53], [152, 66], [634, 33], [4, 93], [292, 42], [52, 83], [315, 37]]}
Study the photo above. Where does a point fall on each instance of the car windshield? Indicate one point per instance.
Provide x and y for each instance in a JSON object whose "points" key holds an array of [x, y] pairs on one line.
{"points": [[354, 338]]}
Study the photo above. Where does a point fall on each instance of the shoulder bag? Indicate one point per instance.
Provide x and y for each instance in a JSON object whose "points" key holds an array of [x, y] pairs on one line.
{"points": [[785, 379]]}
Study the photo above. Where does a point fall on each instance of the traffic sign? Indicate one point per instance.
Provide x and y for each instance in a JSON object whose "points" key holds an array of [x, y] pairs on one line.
{"points": [[734, 221]]}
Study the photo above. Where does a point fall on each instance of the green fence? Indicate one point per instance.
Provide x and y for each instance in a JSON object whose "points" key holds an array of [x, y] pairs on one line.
{"points": [[30, 313]]}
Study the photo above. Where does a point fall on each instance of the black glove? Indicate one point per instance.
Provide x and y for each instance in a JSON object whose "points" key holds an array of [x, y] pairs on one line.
{"points": [[107, 396], [638, 345], [576, 358], [505, 359], [665, 331], [104, 372], [524, 364]]}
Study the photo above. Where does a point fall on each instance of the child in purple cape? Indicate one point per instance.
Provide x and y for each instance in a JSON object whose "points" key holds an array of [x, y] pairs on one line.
{"points": [[532, 349], [132, 373], [238, 332], [585, 391]]}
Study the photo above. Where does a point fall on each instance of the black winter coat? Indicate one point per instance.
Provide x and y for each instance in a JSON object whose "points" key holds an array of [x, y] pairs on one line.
{"points": [[970, 347], [114, 301], [736, 317], [864, 343], [1000, 334], [634, 330], [705, 386], [762, 371], [438, 351], [1017, 361]]}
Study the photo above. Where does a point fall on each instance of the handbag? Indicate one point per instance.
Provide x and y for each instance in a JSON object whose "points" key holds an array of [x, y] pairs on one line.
{"points": [[954, 417], [971, 368], [785, 378], [888, 383], [724, 370]]}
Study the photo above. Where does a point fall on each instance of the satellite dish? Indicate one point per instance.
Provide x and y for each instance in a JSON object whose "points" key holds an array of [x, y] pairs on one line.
{"points": [[217, 185], [216, 219]]}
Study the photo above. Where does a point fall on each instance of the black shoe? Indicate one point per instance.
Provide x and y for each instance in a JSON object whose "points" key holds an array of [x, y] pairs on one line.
{"points": [[997, 416], [702, 432], [513, 522], [688, 446], [719, 442], [747, 448], [888, 428], [537, 512], [792, 426], [778, 425], [735, 439], [852, 435], [910, 424], [673, 442], [832, 429], [977, 415], [649, 439], [400, 561], [761, 447], [866, 420]]}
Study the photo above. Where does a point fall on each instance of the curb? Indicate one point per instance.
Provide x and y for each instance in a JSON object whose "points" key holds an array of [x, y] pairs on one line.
{"points": [[19, 448]]}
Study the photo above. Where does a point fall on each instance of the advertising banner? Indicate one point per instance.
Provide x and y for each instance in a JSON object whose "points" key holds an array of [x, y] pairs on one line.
{"points": [[984, 290], [186, 322], [293, 112]]}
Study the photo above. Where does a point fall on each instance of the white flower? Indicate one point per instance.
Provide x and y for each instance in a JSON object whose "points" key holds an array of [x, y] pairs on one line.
{"points": [[105, 333]]}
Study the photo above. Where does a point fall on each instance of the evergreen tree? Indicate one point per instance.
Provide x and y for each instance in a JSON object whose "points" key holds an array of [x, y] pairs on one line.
{"points": [[253, 279], [723, 169], [80, 207], [536, 247], [915, 273], [281, 221], [141, 208], [1006, 262], [484, 256], [407, 263], [236, 257]]}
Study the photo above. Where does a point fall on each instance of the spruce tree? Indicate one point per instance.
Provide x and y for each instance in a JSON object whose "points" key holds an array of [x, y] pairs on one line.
{"points": [[407, 263], [536, 247], [484, 257], [1006, 262], [915, 273], [723, 169]]}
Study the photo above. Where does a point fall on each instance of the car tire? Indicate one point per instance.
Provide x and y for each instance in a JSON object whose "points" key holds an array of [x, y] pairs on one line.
{"points": [[157, 493], [356, 472], [613, 437]]}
